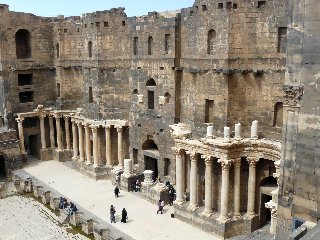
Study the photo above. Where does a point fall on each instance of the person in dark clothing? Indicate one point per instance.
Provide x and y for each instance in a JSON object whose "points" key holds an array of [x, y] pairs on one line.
{"points": [[116, 191], [112, 214], [171, 195], [65, 203], [124, 215], [61, 203], [160, 206]]}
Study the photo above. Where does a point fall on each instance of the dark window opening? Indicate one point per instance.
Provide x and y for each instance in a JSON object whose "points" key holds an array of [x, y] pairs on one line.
{"points": [[150, 45], [209, 111], [78, 29], [220, 5], [92, 24], [57, 50], [24, 79], [3, 171], [123, 23], [282, 40], [168, 97], [278, 114], [90, 95], [151, 83], [204, 7], [90, 49], [166, 43], [166, 170], [23, 44], [65, 30], [135, 91], [211, 41], [261, 4], [85, 26], [25, 97], [235, 6], [135, 156], [58, 89], [229, 5], [105, 24], [150, 99], [135, 45], [97, 24], [191, 13], [30, 122], [161, 68]]}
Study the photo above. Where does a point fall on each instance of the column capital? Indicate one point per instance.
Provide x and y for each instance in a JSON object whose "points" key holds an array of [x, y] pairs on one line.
{"points": [[86, 127], [56, 115], [252, 161], [19, 120], [42, 115], [193, 155], [73, 120], [208, 160], [225, 164], [66, 117], [178, 151], [94, 129], [107, 127], [237, 162], [119, 129], [79, 124]]}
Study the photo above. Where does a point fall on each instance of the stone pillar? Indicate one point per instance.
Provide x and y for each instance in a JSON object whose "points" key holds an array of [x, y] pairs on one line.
{"points": [[226, 134], [254, 129], [225, 164], [81, 145], [108, 146], [237, 165], [127, 167], [251, 186], [66, 126], [88, 144], [273, 208], [58, 127], [237, 131], [94, 130], [42, 132], [21, 135], [52, 140], [208, 187], [74, 140], [179, 177], [120, 154], [193, 182]]}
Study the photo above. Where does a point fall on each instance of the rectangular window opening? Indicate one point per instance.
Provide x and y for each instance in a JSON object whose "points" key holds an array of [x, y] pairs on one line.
{"points": [[235, 6], [150, 99], [105, 24], [65, 30], [282, 40], [261, 4], [25, 97], [220, 5], [58, 90], [123, 23], [209, 111], [135, 156], [97, 24], [90, 95], [204, 7], [24, 79], [166, 43], [135, 46], [229, 5]]}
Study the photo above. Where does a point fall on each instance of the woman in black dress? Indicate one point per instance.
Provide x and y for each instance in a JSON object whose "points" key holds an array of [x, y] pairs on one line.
{"points": [[124, 215]]}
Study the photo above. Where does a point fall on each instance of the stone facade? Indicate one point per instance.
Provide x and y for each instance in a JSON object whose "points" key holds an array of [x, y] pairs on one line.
{"points": [[105, 87]]}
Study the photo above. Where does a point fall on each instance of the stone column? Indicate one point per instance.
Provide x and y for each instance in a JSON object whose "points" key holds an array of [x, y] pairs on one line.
{"points": [[179, 177], [193, 182], [66, 126], [272, 206], [42, 132], [58, 127], [251, 185], [88, 144], [120, 155], [225, 164], [74, 140], [237, 165], [81, 147], [52, 140], [208, 187], [94, 130], [21, 135], [108, 146]]}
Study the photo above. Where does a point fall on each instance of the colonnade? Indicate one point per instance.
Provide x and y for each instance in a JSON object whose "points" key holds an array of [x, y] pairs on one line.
{"points": [[82, 133], [225, 183]]}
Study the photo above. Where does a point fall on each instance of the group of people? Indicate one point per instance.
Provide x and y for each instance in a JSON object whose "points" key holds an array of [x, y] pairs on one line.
{"points": [[71, 208], [124, 215], [135, 186]]}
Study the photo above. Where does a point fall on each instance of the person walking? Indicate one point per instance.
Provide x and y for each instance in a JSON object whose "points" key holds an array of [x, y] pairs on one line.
{"points": [[112, 214], [124, 216], [160, 207], [138, 186], [116, 191]]}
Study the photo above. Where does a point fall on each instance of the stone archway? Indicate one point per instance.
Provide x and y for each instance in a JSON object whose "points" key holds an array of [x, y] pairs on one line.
{"points": [[267, 186], [151, 157], [3, 169]]}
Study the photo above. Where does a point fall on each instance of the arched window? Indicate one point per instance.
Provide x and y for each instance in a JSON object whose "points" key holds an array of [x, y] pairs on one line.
{"points": [[23, 44], [211, 39], [150, 43], [90, 49], [278, 114], [58, 50], [151, 83]]}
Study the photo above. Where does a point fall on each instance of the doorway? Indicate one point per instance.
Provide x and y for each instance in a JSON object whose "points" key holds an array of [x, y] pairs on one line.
{"points": [[34, 146], [265, 214], [151, 164], [3, 171]]}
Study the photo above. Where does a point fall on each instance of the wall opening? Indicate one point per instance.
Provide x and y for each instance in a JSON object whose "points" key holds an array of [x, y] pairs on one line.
{"points": [[25, 97], [282, 40], [90, 49], [166, 170], [278, 115], [209, 111], [135, 46], [150, 45], [24, 79], [220, 5], [23, 44], [166, 43], [58, 90], [168, 97], [211, 40], [135, 91], [3, 171], [150, 99], [58, 50], [135, 156], [151, 83], [261, 4], [90, 95]]}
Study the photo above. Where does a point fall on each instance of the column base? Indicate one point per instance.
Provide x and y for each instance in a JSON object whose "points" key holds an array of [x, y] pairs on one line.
{"points": [[223, 219], [74, 158], [88, 163], [236, 216], [192, 207], [250, 215], [109, 166], [207, 213], [178, 202], [81, 159]]}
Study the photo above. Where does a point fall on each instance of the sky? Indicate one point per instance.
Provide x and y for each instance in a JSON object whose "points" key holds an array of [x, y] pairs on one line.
{"points": [[52, 8]]}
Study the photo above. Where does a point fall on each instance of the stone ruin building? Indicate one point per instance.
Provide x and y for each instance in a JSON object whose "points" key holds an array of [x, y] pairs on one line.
{"points": [[220, 99]]}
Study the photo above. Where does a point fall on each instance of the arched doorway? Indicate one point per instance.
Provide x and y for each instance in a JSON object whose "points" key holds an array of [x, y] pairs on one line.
{"points": [[23, 44], [151, 155], [3, 171], [267, 186]]}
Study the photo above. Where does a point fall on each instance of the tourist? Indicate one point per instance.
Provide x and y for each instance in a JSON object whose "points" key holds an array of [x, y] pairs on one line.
{"points": [[138, 186], [61, 203], [74, 209], [124, 216], [168, 185], [116, 191], [160, 206], [65, 203], [112, 214], [171, 195], [118, 179]]}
